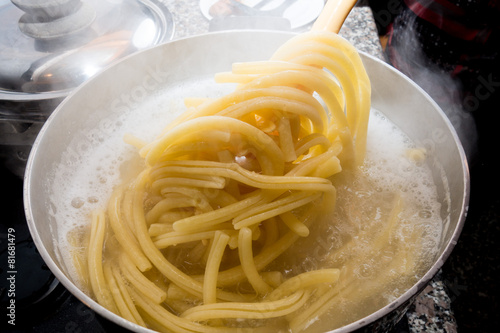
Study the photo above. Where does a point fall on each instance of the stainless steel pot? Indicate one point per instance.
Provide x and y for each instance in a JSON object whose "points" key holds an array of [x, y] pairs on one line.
{"points": [[139, 77], [47, 48]]}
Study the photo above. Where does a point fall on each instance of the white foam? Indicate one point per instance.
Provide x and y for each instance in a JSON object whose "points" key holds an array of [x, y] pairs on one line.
{"points": [[389, 165]]}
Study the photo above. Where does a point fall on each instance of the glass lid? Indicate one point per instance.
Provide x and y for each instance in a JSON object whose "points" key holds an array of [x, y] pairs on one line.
{"points": [[48, 48]]}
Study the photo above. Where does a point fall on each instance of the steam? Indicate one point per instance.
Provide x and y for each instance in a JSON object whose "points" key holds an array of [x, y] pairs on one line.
{"points": [[408, 56]]}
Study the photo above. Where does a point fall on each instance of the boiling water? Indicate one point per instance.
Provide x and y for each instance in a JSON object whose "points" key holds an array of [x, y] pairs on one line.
{"points": [[378, 261], [366, 199]]}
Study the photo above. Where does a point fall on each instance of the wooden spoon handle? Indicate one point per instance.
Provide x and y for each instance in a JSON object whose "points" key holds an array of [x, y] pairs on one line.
{"points": [[333, 15]]}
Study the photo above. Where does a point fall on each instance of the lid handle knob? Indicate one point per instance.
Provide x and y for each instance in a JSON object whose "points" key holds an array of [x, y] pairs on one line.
{"points": [[48, 20]]}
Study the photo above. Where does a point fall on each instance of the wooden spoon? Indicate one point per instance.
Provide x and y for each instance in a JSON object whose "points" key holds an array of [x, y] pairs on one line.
{"points": [[333, 15]]}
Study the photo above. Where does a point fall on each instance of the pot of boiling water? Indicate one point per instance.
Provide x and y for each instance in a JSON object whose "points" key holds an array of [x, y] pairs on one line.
{"points": [[71, 160]]}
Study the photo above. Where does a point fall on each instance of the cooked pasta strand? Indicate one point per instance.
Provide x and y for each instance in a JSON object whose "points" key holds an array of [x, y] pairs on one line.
{"points": [[213, 263], [95, 262], [260, 310], [248, 264], [122, 232]]}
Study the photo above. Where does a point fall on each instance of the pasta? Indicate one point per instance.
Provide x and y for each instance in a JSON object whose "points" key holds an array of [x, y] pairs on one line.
{"points": [[231, 185]]}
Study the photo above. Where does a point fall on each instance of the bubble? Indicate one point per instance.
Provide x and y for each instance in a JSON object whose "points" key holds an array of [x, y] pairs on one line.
{"points": [[93, 199], [77, 202], [425, 214], [364, 271]]}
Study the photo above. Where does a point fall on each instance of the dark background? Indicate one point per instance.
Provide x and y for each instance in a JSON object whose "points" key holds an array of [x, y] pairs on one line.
{"points": [[471, 274]]}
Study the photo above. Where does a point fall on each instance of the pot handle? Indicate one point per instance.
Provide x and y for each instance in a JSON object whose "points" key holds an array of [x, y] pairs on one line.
{"points": [[333, 15]]}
